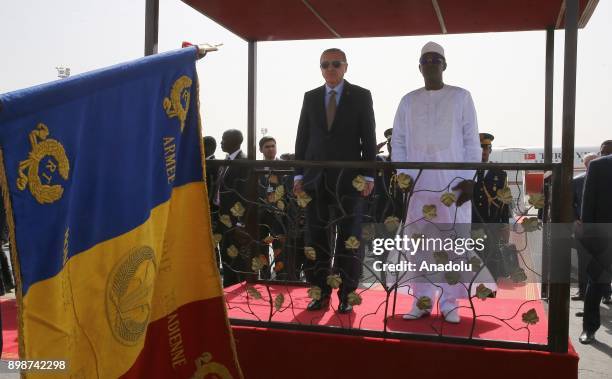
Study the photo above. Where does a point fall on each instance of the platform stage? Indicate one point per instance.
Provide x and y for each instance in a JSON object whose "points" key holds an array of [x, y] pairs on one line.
{"points": [[287, 353]]}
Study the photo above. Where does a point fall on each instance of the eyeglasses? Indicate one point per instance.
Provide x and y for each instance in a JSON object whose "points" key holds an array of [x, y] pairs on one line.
{"points": [[431, 60], [335, 64]]}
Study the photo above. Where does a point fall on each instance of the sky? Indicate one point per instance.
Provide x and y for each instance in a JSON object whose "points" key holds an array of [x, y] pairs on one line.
{"points": [[503, 71]]}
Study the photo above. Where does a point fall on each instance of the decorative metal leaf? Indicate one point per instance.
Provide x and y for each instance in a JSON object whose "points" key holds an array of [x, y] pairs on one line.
{"points": [[448, 198], [404, 182], [254, 293], [452, 277], [430, 211], [268, 240], [530, 224], [303, 199], [392, 223], [217, 238], [478, 234], [359, 183], [232, 251], [441, 257], [537, 200], [354, 298], [226, 220], [257, 263], [504, 195], [237, 210], [424, 303], [310, 253], [314, 293], [368, 232], [273, 179], [482, 292], [334, 281], [280, 205], [278, 301], [352, 243], [531, 317], [518, 276], [280, 191]]}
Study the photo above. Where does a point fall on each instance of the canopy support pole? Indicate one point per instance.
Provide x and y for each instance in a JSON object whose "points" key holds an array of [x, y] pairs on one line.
{"points": [[558, 327], [252, 101], [151, 27]]}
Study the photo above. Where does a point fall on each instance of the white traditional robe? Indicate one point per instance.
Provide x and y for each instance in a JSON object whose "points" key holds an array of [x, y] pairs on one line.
{"points": [[436, 126]]}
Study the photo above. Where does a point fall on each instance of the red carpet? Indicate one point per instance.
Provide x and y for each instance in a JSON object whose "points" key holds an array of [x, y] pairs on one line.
{"points": [[10, 347], [274, 353], [496, 319]]}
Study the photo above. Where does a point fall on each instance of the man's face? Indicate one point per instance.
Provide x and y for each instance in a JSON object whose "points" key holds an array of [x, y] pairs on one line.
{"points": [[486, 151], [269, 150], [335, 67], [228, 143], [605, 149], [432, 65]]}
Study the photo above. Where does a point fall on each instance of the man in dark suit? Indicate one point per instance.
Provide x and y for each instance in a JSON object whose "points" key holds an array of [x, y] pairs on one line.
{"points": [[597, 238], [230, 190], [488, 209], [336, 124], [578, 186]]}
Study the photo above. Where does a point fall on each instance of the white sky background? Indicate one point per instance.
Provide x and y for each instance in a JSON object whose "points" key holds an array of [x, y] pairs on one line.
{"points": [[503, 71]]}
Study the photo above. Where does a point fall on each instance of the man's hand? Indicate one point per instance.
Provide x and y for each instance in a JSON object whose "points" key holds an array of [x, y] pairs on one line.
{"points": [[380, 146], [297, 187], [367, 189], [467, 191]]}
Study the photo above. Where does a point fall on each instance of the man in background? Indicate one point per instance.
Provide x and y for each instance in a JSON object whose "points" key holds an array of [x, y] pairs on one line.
{"points": [[270, 219], [597, 238], [578, 186], [230, 190]]}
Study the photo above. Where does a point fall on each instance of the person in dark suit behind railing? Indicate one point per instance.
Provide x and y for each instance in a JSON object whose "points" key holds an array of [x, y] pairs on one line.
{"points": [[270, 218], [578, 186], [597, 238], [230, 190], [336, 124]]}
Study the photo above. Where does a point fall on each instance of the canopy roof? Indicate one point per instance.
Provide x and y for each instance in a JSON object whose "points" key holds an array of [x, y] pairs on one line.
{"points": [[276, 20]]}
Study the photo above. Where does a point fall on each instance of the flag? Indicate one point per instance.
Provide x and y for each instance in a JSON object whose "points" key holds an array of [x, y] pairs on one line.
{"points": [[110, 226]]}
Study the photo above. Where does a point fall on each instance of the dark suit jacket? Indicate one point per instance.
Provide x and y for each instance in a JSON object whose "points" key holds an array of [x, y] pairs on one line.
{"points": [[352, 136], [597, 209], [233, 188], [578, 186]]}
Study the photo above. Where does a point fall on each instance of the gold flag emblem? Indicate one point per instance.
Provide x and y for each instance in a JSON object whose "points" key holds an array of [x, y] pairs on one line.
{"points": [[177, 105], [29, 175]]}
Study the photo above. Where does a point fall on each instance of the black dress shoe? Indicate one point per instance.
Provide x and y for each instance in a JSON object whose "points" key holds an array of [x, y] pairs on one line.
{"points": [[586, 337], [607, 300], [577, 297], [317, 305], [345, 307]]}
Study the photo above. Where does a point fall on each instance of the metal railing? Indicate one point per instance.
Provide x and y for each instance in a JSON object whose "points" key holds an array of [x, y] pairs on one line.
{"points": [[272, 257]]}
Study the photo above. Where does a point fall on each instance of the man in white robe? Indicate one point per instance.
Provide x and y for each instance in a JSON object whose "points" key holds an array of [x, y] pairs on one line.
{"points": [[437, 123]]}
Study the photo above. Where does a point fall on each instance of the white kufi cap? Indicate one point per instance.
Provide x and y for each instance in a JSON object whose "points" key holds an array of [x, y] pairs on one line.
{"points": [[432, 47]]}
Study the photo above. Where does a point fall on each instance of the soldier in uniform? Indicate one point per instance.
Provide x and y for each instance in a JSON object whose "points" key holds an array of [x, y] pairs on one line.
{"points": [[487, 209]]}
